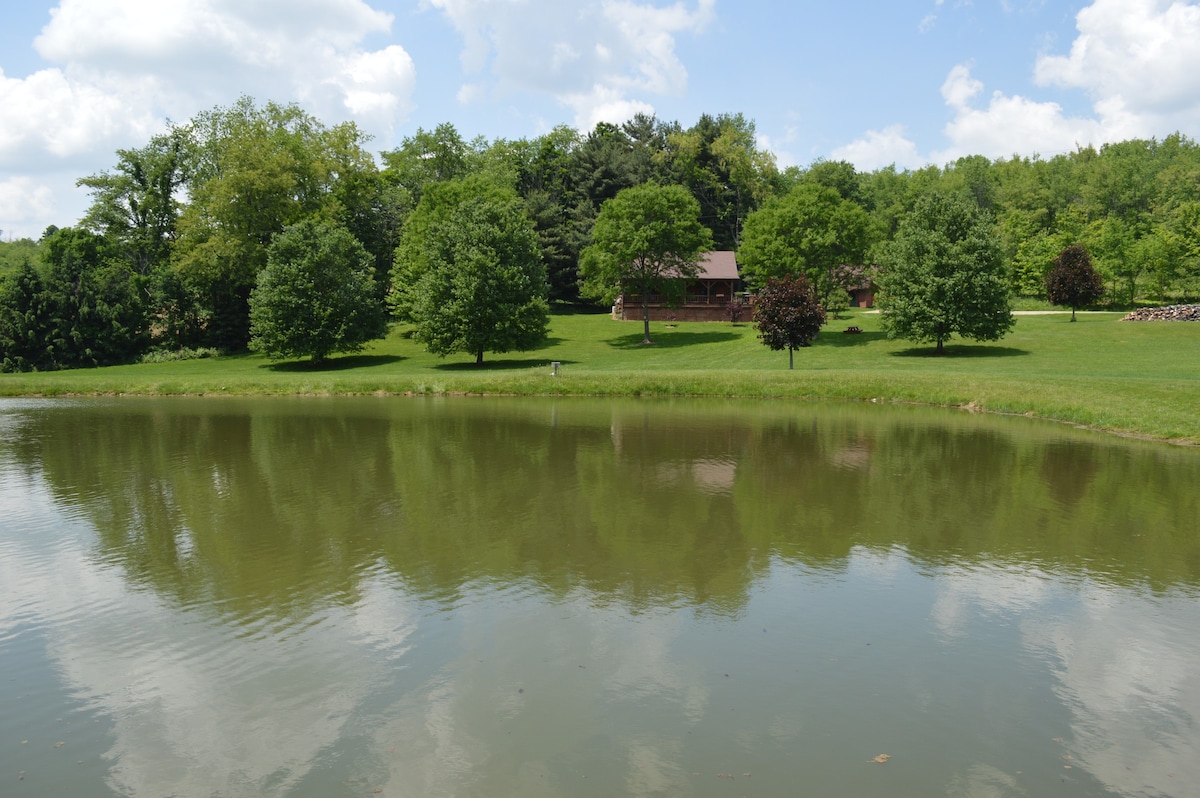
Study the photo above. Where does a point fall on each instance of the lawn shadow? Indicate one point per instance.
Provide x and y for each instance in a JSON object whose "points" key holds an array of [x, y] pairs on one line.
{"points": [[335, 363], [962, 351], [839, 338], [672, 339], [508, 364]]}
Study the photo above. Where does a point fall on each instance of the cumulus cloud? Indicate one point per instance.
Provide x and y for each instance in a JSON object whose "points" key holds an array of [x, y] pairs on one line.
{"points": [[1140, 53], [171, 57], [880, 148], [1014, 124], [61, 118], [121, 68], [24, 204], [1136, 60], [601, 58]]}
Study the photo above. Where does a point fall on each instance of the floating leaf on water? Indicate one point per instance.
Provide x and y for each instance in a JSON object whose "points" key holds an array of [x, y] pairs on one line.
{"points": [[881, 758], [59, 744], [725, 776]]}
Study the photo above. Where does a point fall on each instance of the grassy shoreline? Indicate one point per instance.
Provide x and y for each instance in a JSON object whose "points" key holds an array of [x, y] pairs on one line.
{"points": [[1140, 379]]}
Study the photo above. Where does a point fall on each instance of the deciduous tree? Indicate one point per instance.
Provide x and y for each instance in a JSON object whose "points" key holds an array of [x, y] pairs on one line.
{"points": [[648, 239], [438, 204], [483, 288], [316, 295], [944, 275], [1072, 280], [811, 231], [788, 314]]}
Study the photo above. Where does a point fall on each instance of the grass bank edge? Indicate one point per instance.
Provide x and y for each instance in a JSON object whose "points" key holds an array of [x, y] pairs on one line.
{"points": [[1165, 410]]}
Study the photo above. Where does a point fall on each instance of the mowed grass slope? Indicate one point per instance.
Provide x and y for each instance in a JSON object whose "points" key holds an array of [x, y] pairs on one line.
{"points": [[1139, 378]]}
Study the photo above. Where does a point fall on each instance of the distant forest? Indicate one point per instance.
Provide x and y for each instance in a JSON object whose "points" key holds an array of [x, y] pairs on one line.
{"points": [[178, 229]]}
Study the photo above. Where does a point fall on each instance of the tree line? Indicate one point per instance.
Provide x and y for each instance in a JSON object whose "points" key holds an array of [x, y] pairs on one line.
{"points": [[172, 252]]}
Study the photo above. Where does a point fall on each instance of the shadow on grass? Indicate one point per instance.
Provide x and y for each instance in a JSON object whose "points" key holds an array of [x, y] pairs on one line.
{"points": [[509, 364], [672, 339], [335, 363], [839, 338], [578, 309], [962, 351]]}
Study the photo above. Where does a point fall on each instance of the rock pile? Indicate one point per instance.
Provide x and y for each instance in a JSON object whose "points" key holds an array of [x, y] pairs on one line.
{"points": [[1172, 313]]}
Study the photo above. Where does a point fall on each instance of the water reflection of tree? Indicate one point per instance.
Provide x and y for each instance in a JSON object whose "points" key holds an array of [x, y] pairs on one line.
{"points": [[1068, 472], [277, 506]]}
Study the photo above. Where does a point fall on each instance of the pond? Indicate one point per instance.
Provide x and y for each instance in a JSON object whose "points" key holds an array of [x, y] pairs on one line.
{"points": [[470, 597]]}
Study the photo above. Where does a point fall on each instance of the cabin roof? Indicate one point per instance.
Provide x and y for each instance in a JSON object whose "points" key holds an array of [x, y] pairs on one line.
{"points": [[718, 265]]}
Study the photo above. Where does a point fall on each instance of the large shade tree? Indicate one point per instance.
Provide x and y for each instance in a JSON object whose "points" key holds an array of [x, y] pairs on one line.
{"points": [[439, 202], [252, 172], [483, 286], [810, 231], [944, 275], [647, 240], [316, 295]]}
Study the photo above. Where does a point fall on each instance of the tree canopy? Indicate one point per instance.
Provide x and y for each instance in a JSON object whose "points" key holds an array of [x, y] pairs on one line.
{"points": [[188, 216], [1072, 280], [945, 275], [316, 295], [811, 231], [483, 287], [788, 314], [648, 239]]}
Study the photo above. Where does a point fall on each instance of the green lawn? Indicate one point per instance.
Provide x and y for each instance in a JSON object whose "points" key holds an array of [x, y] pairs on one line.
{"points": [[1139, 378]]}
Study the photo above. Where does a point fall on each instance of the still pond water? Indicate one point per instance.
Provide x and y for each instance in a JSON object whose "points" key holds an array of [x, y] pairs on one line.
{"points": [[464, 597]]}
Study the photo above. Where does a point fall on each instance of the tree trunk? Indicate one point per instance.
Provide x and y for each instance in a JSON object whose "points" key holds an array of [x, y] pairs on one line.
{"points": [[940, 350], [791, 358], [1072, 314], [479, 358], [645, 317]]}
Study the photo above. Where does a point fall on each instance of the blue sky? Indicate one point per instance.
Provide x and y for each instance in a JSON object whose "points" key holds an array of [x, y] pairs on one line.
{"points": [[908, 82]]}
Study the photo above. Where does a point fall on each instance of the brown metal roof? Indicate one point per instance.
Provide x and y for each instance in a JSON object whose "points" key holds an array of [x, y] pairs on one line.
{"points": [[720, 265]]}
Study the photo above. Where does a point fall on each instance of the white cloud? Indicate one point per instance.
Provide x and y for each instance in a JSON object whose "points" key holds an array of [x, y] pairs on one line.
{"points": [[601, 58], [23, 202], [120, 68], [1013, 124], [603, 104], [178, 57], [1140, 52], [61, 118], [880, 148], [1136, 60], [960, 87]]}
